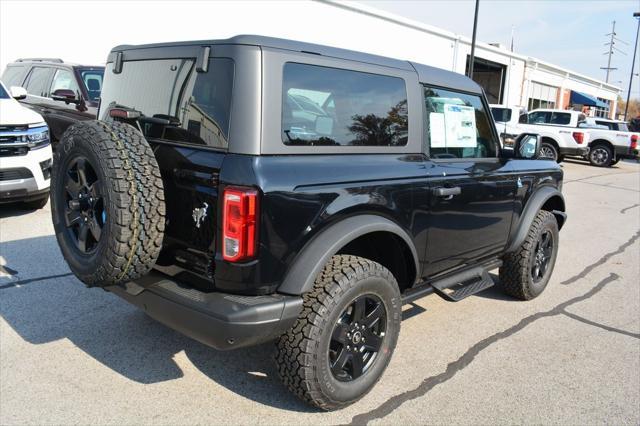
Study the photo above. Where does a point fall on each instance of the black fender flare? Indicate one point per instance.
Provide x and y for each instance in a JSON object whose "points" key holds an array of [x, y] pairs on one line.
{"points": [[532, 207], [307, 265]]}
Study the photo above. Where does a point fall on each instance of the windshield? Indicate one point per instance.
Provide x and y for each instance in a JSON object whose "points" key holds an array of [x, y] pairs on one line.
{"points": [[92, 80], [3, 93]]}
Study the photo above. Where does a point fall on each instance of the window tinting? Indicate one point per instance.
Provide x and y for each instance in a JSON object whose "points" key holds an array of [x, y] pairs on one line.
{"points": [[3, 93], [560, 118], [457, 125], [92, 80], [195, 106], [501, 114], [330, 106], [13, 76], [539, 117], [63, 79], [38, 80]]}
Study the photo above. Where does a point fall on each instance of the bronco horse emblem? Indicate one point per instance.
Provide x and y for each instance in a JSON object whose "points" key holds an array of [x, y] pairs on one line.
{"points": [[199, 213]]}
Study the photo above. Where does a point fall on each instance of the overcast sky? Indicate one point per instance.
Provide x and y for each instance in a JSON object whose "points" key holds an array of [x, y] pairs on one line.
{"points": [[569, 33]]}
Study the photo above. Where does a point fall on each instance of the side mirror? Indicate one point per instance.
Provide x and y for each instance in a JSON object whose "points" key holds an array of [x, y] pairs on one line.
{"points": [[527, 146], [66, 95], [18, 92]]}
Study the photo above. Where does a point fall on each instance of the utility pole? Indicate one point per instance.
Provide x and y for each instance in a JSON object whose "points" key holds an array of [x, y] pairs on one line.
{"points": [[633, 63], [612, 48], [473, 41]]}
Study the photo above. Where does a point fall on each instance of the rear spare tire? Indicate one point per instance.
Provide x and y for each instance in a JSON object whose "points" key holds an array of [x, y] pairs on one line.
{"points": [[107, 202]]}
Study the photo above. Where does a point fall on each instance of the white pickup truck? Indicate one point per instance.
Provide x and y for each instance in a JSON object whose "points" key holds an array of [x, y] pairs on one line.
{"points": [[559, 130], [610, 141], [569, 133]]}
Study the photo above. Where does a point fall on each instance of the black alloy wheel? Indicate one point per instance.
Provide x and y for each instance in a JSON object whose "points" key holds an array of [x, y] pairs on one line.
{"points": [[357, 337], [84, 211], [542, 256]]}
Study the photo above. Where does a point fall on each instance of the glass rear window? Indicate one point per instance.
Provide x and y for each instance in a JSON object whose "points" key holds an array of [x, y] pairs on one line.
{"points": [[92, 80], [336, 107], [501, 114], [196, 106]]}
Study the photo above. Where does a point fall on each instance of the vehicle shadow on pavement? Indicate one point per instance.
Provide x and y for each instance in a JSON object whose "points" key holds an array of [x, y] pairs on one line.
{"points": [[14, 210], [118, 335], [495, 292]]}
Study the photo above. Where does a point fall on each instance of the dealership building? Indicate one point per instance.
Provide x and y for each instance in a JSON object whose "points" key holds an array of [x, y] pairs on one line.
{"points": [[507, 77]]}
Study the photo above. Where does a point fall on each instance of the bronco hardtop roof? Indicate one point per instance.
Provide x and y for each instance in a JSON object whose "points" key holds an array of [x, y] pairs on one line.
{"points": [[426, 74]]}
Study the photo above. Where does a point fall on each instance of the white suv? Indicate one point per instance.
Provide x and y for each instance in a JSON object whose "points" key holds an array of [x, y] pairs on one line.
{"points": [[25, 152]]}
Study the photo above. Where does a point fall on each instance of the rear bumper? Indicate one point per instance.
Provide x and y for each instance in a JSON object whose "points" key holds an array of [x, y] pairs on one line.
{"points": [[627, 152], [220, 320]]}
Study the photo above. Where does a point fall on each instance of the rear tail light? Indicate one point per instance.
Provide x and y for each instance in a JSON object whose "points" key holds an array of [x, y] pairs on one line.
{"points": [[127, 114], [239, 224], [634, 141], [578, 137]]}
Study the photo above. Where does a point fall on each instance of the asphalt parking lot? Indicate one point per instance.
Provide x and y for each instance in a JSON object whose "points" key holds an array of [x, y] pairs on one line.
{"points": [[69, 355]]}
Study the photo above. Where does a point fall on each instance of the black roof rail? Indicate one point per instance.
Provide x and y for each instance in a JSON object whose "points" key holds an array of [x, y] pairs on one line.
{"points": [[56, 60]]}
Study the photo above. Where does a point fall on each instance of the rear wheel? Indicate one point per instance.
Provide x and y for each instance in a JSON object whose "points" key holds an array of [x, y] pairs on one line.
{"points": [[600, 155], [548, 151], [345, 335], [107, 202]]}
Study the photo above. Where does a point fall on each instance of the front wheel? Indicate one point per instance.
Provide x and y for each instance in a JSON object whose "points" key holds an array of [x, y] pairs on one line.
{"points": [[525, 273], [345, 335]]}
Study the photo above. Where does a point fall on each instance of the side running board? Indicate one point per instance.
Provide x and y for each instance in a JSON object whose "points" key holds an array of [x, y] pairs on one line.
{"points": [[456, 286]]}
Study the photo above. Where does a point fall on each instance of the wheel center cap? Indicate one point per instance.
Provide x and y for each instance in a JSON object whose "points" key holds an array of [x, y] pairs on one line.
{"points": [[357, 336]]}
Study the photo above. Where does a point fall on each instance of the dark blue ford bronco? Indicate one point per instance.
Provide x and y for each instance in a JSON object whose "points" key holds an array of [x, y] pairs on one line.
{"points": [[256, 189]]}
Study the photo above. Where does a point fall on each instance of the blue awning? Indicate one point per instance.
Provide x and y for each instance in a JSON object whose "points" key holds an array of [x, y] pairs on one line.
{"points": [[587, 100]]}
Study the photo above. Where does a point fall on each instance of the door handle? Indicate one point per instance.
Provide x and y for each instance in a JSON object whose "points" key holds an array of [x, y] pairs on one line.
{"points": [[447, 192]]}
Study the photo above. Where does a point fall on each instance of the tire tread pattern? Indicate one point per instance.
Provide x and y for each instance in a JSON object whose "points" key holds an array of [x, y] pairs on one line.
{"points": [[297, 348], [136, 192]]}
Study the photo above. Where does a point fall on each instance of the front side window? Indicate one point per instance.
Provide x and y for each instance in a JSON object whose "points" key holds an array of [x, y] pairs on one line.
{"points": [[192, 107], [336, 107], [38, 81], [3, 93], [539, 117], [63, 79], [457, 125]]}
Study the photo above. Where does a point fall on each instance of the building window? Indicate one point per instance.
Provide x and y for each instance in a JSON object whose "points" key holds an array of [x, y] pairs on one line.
{"points": [[603, 111], [542, 96]]}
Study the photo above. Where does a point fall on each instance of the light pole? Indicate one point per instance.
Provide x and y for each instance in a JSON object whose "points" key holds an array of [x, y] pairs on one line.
{"points": [[473, 41], [633, 63]]}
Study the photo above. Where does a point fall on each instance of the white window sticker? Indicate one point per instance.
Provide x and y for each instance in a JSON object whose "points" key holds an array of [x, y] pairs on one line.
{"points": [[437, 130], [460, 125]]}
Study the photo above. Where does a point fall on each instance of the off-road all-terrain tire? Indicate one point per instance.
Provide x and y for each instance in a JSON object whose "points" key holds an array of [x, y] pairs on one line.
{"points": [[126, 199], [303, 352], [516, 271]]}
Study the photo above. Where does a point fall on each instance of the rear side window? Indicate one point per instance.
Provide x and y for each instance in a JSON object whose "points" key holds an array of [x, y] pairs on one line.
{"points": [[337, 107], [38, 81], [194, 108], [560, 118], [92, 80], [501, 114], [539, 117], [13, 76], [457, 125]]}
